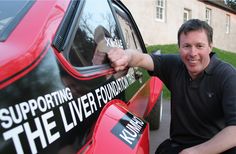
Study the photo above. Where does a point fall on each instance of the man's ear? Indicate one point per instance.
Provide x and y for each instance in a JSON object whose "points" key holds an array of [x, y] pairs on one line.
{"points": [[211, 46]]}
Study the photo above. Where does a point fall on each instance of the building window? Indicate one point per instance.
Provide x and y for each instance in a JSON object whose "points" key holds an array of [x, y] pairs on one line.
{"points": [[160, 10], [208, 16], [227, 24], [187, 14]]}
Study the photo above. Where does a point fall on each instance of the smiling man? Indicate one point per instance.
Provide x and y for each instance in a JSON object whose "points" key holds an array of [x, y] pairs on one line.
{"points": [[203, 91], [195, 49]]}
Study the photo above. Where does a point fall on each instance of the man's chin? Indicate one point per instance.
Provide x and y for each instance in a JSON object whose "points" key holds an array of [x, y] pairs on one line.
{"points": [[194, 73]]}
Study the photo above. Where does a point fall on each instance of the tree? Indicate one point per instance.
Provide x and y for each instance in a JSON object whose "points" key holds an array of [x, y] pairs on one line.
{"points": [[231, 4]]}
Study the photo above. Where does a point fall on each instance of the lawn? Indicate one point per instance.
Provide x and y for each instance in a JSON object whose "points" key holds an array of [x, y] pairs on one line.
{"points": [[227, 56]]}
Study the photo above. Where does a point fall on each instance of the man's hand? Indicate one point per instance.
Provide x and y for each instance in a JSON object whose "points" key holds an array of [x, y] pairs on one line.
{"points": [[119, 58]]}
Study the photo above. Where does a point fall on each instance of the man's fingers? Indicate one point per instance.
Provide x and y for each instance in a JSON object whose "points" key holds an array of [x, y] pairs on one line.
{"points": [[119, 68], [119, 65], [115, 54], [118, 59]]}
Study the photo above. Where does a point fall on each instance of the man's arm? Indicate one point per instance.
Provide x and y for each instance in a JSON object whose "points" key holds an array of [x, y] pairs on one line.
{"points": [[120, 59], [224, 140]]}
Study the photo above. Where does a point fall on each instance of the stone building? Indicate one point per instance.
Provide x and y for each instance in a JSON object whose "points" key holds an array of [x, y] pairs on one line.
{"points": [[159, 20]]}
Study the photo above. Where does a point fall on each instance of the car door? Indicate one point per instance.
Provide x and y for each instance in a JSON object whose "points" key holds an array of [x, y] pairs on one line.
{"points": [[83, 39]]}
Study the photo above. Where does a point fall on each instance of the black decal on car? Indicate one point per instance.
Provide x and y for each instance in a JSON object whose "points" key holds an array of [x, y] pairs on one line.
{"points": [[129, 129]]}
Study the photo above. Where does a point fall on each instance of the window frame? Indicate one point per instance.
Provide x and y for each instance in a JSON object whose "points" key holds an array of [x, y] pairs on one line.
{"points": [[208, 16], [227, 24], [188, 13], [160, 9]]}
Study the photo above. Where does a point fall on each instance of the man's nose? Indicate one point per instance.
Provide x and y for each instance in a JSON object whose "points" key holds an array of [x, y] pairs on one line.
{"points": [[193, 51]]}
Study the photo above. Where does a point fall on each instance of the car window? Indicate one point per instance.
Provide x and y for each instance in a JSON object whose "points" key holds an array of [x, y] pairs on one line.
{"points": [[127, 29], [96, 33], [10, 14]]}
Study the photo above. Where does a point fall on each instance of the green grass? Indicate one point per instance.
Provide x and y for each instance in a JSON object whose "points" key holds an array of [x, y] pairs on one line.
{"points": [[226, 56]]}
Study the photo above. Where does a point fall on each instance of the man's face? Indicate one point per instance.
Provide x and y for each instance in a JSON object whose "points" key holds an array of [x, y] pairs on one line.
{"points": [[194, 51]]}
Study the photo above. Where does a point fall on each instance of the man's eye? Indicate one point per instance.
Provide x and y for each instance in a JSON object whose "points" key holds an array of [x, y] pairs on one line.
{"points": [[200, 46], [186, 46]]}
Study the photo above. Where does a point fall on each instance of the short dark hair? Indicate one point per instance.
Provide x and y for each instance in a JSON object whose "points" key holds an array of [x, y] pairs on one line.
{"points": [[194, 25]]}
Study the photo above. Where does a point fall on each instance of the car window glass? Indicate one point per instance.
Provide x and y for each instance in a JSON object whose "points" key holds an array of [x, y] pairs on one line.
{"points": [[96, 33], [10, 14], [8, 11], [127, 29]]}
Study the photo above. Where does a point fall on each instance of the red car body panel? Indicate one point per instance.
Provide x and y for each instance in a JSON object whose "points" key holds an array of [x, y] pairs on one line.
{"points": [[25, 47], [139, 102], [155, 92], [103, 141]]}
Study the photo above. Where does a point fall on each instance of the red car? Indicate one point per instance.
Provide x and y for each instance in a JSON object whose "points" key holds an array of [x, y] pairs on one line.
{"points": [[58, 92]]}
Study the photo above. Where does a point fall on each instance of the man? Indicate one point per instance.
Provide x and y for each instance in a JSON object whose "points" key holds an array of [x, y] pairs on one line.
{"points": [[203, 91]]}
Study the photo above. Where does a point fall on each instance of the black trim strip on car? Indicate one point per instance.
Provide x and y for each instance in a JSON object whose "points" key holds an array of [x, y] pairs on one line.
{"points": [[65, 26], [9, 28], [27, 67]]}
